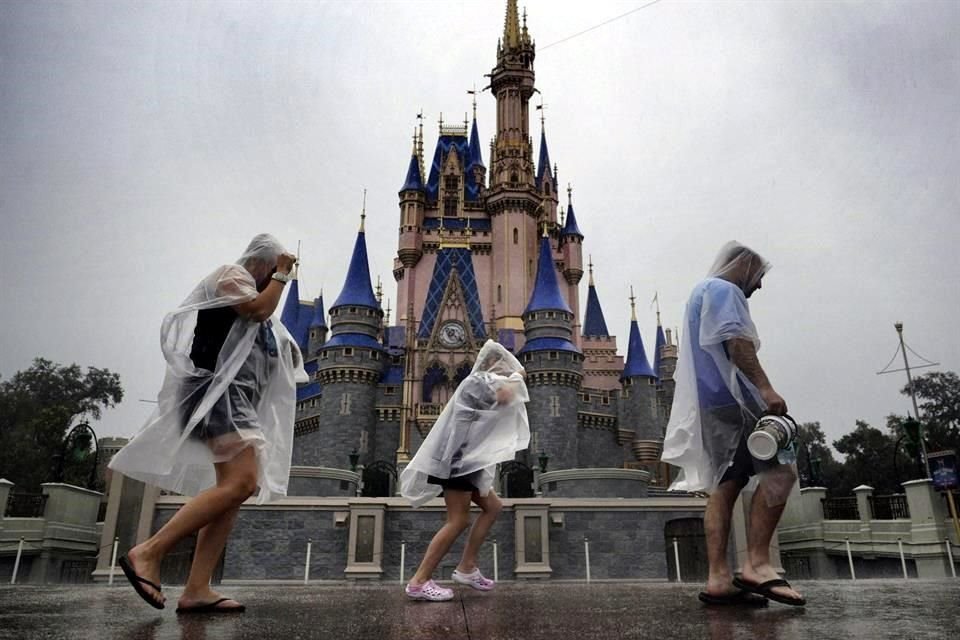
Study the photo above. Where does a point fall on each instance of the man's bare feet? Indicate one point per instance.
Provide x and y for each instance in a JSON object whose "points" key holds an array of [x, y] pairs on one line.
{"points": [[146, 567], [191, 600], [721, 585], [764, 573]]}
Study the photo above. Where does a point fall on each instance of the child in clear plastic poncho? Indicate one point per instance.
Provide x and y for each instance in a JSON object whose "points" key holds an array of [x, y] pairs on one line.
{"points": [[721, 390], [483, 424], [224, 420]]}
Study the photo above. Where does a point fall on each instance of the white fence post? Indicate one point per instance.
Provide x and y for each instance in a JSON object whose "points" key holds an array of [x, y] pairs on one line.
{"points": [[306, 565], [403, 559], [903, 560], [113, 559], [953, 569], [586, 551], [16, 563], [676, 558], [853, 574], [496, 562]]}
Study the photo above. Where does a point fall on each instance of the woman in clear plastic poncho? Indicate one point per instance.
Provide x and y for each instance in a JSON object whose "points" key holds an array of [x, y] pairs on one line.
{"points": [[721, 390], [223, 426], [483, 424]]}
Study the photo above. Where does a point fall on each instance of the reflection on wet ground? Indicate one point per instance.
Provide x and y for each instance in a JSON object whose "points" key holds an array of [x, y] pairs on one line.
{"points": [[912, 609]]}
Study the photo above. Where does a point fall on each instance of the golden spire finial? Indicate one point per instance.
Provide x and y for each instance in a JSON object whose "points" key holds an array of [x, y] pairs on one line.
{"points": [[511, 27], [545, 234], [633, 305], [379, 290], [656, 301], [363, 212], [590, 267]]}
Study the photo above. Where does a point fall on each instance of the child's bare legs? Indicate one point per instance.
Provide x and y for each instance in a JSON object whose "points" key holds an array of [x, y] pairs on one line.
{"points": [[458, 519], [491, 506]]}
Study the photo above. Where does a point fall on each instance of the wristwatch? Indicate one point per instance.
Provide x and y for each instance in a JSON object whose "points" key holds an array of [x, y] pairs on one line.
{"points": [[282, 278]]}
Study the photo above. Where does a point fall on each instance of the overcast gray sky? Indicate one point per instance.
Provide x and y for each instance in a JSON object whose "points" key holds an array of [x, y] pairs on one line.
{"points": [[142, 144]]}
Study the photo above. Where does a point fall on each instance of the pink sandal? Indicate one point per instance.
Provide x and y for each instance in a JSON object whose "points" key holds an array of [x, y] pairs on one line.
{"points": [[429, 590], [473, 579]]}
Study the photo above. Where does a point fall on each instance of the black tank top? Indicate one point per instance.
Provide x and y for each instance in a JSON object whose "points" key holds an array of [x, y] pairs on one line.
{"points": [[213, 326]]}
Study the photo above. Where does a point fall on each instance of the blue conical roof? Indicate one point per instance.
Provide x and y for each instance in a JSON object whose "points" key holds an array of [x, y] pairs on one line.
{"points": [[291, 308], [357, 289], [414, 180], [543, 165], [319, 319], [657, 354], [637, 363], [593, 322], [476, 153], [570, 228], [546, 290]]}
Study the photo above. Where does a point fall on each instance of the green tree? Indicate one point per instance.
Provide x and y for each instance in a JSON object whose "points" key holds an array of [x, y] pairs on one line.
{"points": [[938, 398], [872, 459], [37, 408]]}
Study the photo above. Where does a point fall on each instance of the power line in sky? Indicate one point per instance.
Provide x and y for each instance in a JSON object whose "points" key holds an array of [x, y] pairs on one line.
{"points": [[597, 26]]}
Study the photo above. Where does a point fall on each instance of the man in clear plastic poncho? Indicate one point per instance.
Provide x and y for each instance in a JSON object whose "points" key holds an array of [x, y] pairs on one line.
{"points": [[223, 426], [721, 391], [483, 424]]}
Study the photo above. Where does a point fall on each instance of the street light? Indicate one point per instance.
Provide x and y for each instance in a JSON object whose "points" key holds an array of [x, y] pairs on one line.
{"points": [[354, 459], [78, 440], [543, 459]]}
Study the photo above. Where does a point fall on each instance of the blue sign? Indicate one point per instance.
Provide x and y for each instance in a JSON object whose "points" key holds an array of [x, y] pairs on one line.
{"points": [[943, 470]]}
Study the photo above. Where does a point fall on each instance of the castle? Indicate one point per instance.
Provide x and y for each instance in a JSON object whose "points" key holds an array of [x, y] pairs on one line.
{"points": [[481, 254]]}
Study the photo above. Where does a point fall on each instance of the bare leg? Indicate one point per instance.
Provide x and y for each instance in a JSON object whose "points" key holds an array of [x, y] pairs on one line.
{"points": [[211, 541], [763, 523], [716, 523], [458, 519], [236, 481], [491, 506]]}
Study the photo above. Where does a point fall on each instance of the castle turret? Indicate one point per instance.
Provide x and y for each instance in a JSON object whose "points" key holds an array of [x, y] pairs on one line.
{"points": [[296, 315], [571, 242], [318, 327], [547, 181], [602, 367], [513, 203], [639, 398], [350, 365], [668, 353], [554, 367], [475, 165]]}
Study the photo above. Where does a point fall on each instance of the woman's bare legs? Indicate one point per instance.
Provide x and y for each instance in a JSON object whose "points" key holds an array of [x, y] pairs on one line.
{"points": [[236, 481], [458, 519], [491, 506]]}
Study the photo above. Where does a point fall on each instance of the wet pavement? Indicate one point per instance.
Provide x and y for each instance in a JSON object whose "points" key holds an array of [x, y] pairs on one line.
{"points": [[915, 609]]}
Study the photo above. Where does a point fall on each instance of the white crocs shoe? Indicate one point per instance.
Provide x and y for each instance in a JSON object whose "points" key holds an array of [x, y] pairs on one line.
{"points": [[474, 579], [429, 590]]}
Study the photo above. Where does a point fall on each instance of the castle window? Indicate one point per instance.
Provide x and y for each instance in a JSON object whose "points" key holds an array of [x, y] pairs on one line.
{"points": [[546, 187], [499, 293], [553, 355], [514, 177], [450, 207], [395, 359], [585, 397], [324, 355], [451, 182], [353, 309], [516, 236], [348, 351], [652, 382], [390, 391], [605, 401]]}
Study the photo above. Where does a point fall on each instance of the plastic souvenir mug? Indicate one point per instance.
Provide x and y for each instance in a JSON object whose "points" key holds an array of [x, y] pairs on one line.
{"points": [[770, 435]]}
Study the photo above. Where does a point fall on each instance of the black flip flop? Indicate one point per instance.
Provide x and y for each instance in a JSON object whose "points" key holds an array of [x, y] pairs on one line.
{"points": [[137, 583], [738, 598], [765, 589], [211, 607]]}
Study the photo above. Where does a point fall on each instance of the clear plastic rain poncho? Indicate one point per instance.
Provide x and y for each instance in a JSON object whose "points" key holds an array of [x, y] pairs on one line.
{"points": [[207, 416], [483, 424], [714, 404]]}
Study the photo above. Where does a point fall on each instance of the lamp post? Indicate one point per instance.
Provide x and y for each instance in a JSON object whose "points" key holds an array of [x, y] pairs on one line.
{"points": [[543, 458], [78, 439], [354, 459]]}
